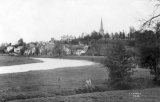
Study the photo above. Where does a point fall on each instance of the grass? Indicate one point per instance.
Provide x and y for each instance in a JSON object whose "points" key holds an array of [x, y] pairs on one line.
{"points": [[145, 95], [12, 60], [61, 85], [49, 83], [98, 59]]}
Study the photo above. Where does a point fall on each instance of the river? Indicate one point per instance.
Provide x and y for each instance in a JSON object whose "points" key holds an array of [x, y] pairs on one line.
{"points": [[48, 63]]}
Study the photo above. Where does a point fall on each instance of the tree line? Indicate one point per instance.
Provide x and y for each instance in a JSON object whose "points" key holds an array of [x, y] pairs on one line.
{"points": [[120, 63]]}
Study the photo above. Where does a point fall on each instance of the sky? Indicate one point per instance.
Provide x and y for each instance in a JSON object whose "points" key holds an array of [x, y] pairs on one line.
{"points": [[40, 20]]}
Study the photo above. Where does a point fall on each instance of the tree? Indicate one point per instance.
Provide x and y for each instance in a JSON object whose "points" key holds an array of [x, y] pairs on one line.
{"points": [[148, 46], [157, 30], [2, 48], [107, 35], [96, 48], [131, 34], [116, 35], [150, 59], [74, 42], [58, 49], [95, 35], [20, 42], [119, 65], [155, 16], [150, 51]]}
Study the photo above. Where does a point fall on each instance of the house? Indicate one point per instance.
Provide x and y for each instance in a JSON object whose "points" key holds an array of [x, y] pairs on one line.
{"points": [[42, 50], [18, 49], [81, 51], [27, 52], [66, 50], [33, 50], [9, 49], [75, 49], [67, 38]]}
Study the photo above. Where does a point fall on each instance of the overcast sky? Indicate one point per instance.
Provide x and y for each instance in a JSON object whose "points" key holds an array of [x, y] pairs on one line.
{"points": [[39, 20]]}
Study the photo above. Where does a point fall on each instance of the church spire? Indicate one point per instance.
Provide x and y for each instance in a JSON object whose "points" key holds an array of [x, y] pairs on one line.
{"points": [[101, 31], [101, 24]]}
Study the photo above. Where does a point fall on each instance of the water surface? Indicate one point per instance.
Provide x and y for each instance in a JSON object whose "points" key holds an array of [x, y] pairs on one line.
{"points": [[48, 63]]}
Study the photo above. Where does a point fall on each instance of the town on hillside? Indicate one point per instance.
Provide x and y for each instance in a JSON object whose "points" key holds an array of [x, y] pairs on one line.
{"points": [[93, 44]]}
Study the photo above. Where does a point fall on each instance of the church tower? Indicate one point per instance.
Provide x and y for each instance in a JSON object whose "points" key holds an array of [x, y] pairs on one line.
{"points": [[101, 30]]}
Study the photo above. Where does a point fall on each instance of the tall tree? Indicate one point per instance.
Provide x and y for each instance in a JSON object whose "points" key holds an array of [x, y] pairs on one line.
{"points": [[157, 30], [155, 17], [20, 42], [58, 49], [119, 65], [149, 50], [132, 33], [95, 35]]}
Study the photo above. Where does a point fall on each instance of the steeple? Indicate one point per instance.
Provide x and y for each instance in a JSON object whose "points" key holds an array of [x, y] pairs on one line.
{"points": [[101, 31]]}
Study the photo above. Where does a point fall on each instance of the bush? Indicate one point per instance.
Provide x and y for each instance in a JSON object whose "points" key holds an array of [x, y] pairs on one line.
{"points": [[121, 84], [131, 43]]}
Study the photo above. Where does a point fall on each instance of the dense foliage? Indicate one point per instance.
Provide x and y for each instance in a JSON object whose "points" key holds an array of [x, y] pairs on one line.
{"points": [[148, 43], [119, 65]]}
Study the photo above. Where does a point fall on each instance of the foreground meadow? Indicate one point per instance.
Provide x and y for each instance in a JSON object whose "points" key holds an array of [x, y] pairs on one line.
{"points": [[145, 95], [68, 85], [49, 83]]}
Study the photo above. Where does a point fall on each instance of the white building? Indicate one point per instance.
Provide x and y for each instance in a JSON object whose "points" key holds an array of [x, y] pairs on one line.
{"points": [[67, 38]]}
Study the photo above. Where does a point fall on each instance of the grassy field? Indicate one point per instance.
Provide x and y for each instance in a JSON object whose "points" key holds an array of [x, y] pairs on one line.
{"points": [[98, 59], [49, 83], [12, 60], [145, 95], [62, 85]]}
